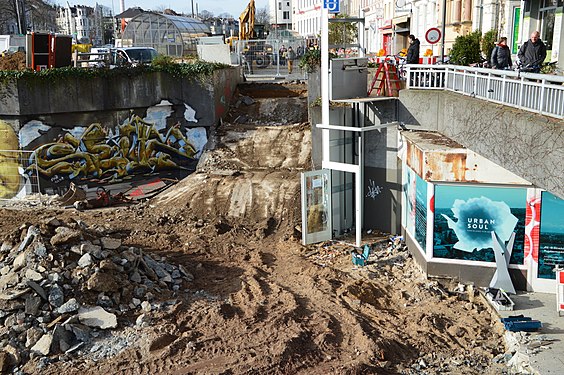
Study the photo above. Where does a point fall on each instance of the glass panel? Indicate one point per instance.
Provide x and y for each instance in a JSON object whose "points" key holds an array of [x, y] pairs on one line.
{"points": [[316, 207], [547, 27]]}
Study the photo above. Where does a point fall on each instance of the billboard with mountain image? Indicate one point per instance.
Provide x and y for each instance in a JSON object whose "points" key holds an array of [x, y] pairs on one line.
{"points": [[465, 216]]}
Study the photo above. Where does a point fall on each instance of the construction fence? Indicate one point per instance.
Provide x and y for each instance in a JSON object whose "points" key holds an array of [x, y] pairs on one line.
{"points": [[271, 58], [19, 181]]}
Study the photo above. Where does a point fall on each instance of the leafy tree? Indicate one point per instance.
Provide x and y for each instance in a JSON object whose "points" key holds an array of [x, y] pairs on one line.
{"points": [[466, 49], [342, 33], [488, 43]]}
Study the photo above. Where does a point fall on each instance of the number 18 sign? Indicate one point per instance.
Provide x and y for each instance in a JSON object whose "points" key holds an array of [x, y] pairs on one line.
{"points": [[331, 5]]}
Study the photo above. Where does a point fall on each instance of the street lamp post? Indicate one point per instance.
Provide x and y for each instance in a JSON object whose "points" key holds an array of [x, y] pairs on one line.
{"points": [[443, 28]]}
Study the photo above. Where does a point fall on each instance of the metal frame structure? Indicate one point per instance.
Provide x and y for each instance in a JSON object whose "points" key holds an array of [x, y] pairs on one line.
{"points": [[359, 129], [169, 35]]}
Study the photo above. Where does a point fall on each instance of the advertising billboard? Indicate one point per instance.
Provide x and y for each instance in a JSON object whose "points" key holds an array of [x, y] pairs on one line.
{"points": [[551, 240], [465, 216], [415, 192]]}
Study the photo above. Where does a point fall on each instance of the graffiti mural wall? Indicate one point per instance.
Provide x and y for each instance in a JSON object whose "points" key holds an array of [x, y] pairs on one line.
{"points": [[158, 142]]}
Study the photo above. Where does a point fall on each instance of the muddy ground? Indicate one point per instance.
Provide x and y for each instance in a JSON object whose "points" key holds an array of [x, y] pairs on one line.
{"points": [[260, 302]]}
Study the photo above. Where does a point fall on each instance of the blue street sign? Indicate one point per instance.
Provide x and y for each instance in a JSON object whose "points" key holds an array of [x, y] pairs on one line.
{"points": [[331, 5]]}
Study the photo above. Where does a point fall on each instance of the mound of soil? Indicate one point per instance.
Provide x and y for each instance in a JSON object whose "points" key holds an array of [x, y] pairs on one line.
{"points": [[259, 301], [14, 61]]}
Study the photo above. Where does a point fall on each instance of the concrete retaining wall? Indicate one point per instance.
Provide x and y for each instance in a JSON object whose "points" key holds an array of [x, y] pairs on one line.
{"points": [[527, 144], [24, 100], [95, 131]]}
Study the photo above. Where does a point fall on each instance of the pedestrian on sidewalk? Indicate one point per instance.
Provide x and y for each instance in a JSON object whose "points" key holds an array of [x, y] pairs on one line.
{"points": [[532, 53], [501, 55], [282, 55], [413, 50], [290, 56]]}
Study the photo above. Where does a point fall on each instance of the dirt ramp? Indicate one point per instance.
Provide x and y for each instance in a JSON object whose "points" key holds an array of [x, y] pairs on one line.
{"points": [[248, 197], [244, 147], [269, 104]]}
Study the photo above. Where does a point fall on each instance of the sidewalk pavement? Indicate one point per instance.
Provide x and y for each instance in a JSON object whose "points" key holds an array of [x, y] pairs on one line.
{"points": [[542, 306]]}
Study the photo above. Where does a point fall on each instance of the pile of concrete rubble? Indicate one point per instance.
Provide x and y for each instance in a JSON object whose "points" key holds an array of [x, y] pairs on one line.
{"points": [[61, 283]]}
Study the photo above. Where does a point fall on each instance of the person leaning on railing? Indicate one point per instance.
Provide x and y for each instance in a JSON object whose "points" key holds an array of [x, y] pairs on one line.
{"points": [[532, 53]]}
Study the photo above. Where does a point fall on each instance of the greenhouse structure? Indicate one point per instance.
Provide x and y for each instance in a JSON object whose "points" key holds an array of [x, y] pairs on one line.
{"points": [[169, 35]]}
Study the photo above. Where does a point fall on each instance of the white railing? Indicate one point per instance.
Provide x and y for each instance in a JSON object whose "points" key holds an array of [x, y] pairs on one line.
{"points": [[540, 93]]}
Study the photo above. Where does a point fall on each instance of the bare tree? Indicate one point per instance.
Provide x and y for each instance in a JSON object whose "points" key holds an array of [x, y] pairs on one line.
{"points": [[42, 15], [27, 15], [225, 15], [205, 15], [262, 17]]}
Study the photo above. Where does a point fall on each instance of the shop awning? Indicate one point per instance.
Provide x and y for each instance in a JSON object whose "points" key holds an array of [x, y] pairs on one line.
{"points": [[401, 19]]}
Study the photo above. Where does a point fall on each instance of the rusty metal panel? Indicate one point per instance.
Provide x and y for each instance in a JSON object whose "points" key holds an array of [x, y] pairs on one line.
{"points": [[445, 166], [414, 157], [437, 158]]}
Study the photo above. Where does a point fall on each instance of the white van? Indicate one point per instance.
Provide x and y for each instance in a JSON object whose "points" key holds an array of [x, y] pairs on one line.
{"points": [[99, 57]]}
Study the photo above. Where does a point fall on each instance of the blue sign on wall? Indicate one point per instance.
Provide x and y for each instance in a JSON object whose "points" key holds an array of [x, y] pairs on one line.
{"points": [[332, 6]]}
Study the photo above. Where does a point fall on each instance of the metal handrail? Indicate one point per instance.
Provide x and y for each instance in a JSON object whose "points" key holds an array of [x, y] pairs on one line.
{"points": [[540, 93]]}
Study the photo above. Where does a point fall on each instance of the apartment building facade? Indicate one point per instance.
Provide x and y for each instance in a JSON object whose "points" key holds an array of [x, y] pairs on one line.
{"points": [[389, 22]]}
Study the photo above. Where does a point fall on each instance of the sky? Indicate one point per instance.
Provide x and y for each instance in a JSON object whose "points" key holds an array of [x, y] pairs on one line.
{"points": [[234, 7]]}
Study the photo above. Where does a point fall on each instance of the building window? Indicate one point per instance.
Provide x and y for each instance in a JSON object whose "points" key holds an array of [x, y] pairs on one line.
{"points": [[547, 27], [279, 6], [286, 15]]}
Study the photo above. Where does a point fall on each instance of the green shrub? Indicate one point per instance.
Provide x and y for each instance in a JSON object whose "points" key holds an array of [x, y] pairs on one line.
{"points": [[488, 43], [310, 60], [196, 69], [466, 49]]}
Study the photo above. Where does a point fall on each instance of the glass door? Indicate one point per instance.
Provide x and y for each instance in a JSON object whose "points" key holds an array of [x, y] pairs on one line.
{"points": [[316, 206]]}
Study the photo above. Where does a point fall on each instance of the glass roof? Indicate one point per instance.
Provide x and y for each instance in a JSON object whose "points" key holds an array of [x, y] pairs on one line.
{"points": [[170, 35]]}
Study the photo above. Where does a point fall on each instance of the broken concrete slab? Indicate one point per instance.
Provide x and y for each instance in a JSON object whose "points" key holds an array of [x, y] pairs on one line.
{"points": [[109, 243], [97, 317], [43, 346]]}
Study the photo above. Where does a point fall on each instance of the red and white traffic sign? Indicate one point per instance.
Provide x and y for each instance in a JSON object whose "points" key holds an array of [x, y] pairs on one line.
{"points": [[433, 35]]}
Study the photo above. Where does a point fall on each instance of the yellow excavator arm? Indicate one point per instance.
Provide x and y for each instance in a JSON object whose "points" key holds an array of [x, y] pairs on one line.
{"points": [[247, 22]]}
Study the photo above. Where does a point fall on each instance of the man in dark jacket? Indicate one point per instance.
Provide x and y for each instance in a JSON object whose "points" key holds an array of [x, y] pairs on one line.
{"points": [[532, 53], [413, 50], [501, 55]]}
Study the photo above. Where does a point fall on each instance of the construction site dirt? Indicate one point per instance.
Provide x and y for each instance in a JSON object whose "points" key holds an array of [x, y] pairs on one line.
{"points": [[240, 294]]}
